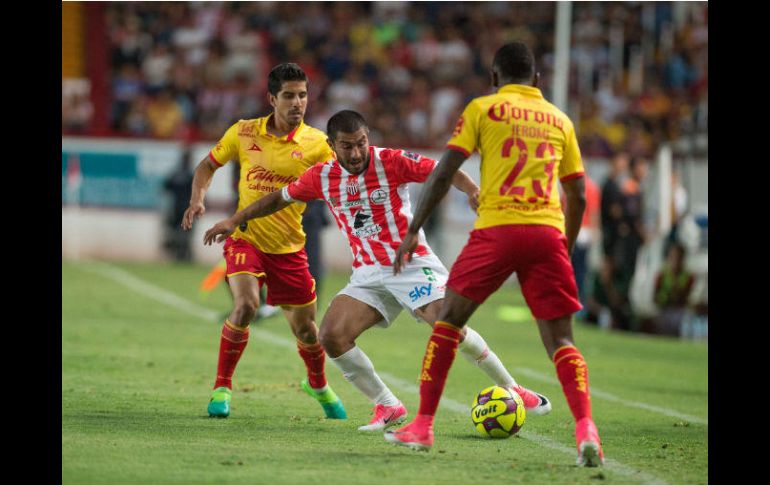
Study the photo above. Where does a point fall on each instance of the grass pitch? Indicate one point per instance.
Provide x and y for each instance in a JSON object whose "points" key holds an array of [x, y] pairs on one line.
{"points": [[139, 351]]}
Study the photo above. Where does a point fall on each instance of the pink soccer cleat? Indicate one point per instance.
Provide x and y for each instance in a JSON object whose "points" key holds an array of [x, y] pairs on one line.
{"points": [[534, 402], [588, 444], [418, 435], [385, 417]]}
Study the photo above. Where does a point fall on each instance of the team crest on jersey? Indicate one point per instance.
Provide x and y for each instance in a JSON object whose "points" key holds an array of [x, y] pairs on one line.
{"points": [[296, 154], [411, 156], [378, 196], [352, 187]]}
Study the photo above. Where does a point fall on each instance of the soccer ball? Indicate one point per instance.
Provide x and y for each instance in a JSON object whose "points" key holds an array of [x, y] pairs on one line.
{"points": [[498, 412]]}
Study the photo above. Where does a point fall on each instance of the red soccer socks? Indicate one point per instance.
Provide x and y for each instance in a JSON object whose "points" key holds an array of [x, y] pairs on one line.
{"points": [[573, 375], [231, 346], [436, 363], [314, 358]]}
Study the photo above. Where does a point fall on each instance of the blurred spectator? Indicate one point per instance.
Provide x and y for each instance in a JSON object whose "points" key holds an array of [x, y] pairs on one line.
{"points": [[678, 71], [595, 133], [164, 115], [445, 107], [611, 207], [126, 87], [631, 235], [215, 73], [156, 67], [673, 285], [454, 57], [245, 56], [179, 187], [348, 93], [426, 50], [130, 42], [190, 40], [610, 100], [611, 219], [136, 121]]}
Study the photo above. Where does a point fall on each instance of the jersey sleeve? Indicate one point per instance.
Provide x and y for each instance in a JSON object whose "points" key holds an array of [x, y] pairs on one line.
{"points": [[227, 147], [307, 187], [409, 166], [466, 132], [571, 166]]}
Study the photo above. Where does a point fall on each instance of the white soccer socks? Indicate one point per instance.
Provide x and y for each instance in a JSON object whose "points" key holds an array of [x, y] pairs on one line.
{"points": [[476, 351], [359, 371]]}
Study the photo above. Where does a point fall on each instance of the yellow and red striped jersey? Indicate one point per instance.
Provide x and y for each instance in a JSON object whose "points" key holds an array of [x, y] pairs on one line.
{"points": [[267, 164], [525, 143]]}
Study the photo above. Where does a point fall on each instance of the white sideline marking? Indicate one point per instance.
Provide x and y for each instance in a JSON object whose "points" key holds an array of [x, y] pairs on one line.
{"points": [[611, 397], [149, 290], [164, 296]]}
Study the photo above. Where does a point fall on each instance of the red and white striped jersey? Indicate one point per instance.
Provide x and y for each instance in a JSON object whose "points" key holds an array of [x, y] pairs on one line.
{"points": [[372, 208]]}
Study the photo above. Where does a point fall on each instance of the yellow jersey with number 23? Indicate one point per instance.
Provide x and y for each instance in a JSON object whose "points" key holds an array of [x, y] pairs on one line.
{"points": [[525, 144]]}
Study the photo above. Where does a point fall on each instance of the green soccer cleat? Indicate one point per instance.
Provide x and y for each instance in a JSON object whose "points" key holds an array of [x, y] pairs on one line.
{"points": [[219, 406], [329, 401]]}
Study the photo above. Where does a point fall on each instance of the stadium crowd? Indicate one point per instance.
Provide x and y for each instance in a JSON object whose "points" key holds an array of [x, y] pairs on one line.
{"points": [[638, 76]]}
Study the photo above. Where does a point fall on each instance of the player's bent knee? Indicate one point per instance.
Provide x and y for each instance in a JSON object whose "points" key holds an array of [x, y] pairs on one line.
{"points": [[334, 342], [244, 311], [306, 333]]}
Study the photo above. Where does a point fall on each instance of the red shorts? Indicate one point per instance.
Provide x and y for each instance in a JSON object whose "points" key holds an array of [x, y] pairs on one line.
{"points": [[538, 255], [287, 276]]}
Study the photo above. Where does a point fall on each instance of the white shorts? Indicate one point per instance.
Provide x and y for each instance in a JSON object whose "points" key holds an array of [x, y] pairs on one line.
{"points": [[420, 282]]}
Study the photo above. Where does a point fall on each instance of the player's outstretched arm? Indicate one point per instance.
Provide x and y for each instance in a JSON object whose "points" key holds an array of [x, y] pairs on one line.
{"points": [[265, 206], [434, 190], [575, 192], [204, 172]]}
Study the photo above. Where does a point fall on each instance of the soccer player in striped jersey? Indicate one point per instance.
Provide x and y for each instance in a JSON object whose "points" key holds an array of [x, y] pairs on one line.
{"points": [[272, 151], [525, 144], [366, 189]]}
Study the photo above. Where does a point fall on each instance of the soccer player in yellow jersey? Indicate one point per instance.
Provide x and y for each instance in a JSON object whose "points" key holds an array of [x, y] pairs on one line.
{"points": [[272, 151], [525, 143]]}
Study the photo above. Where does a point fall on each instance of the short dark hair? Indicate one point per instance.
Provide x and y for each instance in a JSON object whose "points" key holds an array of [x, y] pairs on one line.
{"points": [[515, 61], [347, 121], [288, 71]]}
